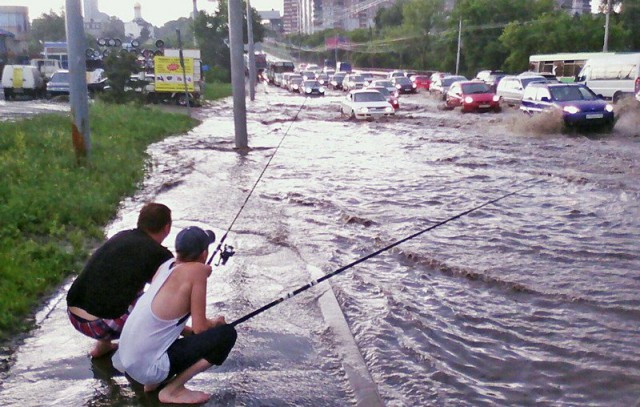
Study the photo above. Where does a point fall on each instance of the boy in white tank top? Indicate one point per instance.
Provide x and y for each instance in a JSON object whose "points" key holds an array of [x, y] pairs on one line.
{"points": [[151, 350]]}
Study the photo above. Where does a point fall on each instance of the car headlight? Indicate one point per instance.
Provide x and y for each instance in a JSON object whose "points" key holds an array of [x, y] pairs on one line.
{"points": [[364, 110], [414, 85], [608, 108], [334, 83], [468, 99], [321, 89], [295, 86], [398, 86], [388, 109], [321, 82], [496, 98], [308, 90], [570, 109]]}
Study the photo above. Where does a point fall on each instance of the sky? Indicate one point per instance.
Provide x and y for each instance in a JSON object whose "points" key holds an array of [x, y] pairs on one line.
{"points": [[151, 10]]}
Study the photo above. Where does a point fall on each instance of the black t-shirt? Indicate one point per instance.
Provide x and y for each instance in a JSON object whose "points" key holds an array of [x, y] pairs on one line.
{"points": [[116, 272]]}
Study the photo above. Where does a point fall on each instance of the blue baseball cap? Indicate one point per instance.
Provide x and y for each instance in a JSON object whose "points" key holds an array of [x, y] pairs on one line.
{"points": [[193, 240]]}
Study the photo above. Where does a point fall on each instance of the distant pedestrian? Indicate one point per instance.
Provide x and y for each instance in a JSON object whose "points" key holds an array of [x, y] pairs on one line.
{"points": [[103, 295], [151, 350]]}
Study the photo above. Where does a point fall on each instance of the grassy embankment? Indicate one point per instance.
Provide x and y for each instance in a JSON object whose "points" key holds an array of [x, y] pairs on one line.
{"points": [[52, 210], [217, 90]]}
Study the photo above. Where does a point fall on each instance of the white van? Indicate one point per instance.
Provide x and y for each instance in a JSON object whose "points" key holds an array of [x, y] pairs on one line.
{"points": [[613, 76], [22, 80]]}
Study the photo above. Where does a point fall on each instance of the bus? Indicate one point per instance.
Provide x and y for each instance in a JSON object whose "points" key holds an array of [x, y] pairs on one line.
{"points": [[279, 67], [564, 66]]}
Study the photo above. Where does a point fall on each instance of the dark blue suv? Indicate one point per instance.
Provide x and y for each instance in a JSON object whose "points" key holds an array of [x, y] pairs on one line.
{"points": [[579, 105]]}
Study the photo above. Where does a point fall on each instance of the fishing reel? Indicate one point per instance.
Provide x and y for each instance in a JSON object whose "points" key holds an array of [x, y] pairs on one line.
{"points": [[225, 254]]}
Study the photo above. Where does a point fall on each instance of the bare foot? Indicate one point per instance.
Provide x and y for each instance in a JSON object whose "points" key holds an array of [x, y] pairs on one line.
{"points": [[102, 348], [182, 395]]}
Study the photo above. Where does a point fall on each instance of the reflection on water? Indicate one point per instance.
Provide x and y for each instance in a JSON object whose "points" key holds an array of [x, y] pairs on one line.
{"points": [[530, 301]]}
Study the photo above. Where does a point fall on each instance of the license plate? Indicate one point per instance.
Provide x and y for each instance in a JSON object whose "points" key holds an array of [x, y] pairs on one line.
{"points": [[17, 90], [483, 106], [595, 116]]}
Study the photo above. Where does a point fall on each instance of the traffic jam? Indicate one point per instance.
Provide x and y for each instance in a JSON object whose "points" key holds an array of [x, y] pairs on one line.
{"points": [[373, 94]]}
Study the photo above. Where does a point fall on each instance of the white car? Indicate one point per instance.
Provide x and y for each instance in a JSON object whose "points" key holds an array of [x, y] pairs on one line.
{"points": [[364, 104]]}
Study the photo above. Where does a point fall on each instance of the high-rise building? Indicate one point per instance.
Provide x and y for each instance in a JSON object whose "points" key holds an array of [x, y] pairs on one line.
{"points": [[291, 16], [94, 19]]}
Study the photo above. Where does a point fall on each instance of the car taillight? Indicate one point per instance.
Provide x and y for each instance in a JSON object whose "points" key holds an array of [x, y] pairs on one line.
{"points": [[638, 84]]}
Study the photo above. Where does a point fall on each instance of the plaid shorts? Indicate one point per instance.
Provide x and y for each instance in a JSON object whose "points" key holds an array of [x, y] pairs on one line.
{"points": [[101, 329]]}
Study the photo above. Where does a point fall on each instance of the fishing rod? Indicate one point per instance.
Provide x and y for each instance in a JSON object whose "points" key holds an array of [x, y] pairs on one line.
{"points": [[227, 251], [377, 252]]}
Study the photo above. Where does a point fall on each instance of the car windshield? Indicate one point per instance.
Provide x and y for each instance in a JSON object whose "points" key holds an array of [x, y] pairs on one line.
{"points": [[567, 93], [357, 78], [421, 78], [403, 81], [368, 97], [60, 77], [384, 83], [526, 81], [471, 88], [450, 79], [311, 84], [296, 81], [384, 91]]}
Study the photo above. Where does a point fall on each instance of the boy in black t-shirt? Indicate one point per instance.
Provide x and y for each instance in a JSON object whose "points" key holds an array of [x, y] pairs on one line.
{"points": [[101, 298]]}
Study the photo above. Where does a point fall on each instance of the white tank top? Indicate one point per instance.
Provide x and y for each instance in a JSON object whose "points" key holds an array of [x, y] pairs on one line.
{"points": [[145, 338]]}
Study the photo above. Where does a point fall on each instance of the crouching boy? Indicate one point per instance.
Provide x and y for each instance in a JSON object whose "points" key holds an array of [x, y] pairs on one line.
{"points": [[152, 351]]}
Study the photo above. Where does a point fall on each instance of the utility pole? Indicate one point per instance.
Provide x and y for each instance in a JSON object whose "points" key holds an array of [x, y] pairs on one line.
{"points": [[236, 45], [184, 73], [252, 56], [459, 46], [605, 47], [78, 93], [195, 14]]}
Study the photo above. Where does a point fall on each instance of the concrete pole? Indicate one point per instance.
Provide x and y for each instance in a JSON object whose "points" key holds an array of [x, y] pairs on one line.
{"points": [[78, 92], [184, 73], [252, 55], [236, 45], [195, 14], [605, 47], [459, 46]]}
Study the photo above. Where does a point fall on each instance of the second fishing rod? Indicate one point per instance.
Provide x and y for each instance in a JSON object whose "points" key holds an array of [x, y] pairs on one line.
{"points": [[226, 251]]}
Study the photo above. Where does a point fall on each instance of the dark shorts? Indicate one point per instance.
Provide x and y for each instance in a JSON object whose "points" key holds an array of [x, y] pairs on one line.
{"points": [[213, 345]]}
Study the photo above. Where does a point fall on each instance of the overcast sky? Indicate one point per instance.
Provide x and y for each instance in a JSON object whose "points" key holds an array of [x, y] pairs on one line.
{"points": [[157, 12]]}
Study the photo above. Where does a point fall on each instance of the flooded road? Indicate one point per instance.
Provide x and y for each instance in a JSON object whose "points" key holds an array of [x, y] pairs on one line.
{"points": [[531, 301]]}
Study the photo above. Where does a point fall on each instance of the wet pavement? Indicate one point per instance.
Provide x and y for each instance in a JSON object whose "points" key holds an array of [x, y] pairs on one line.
{"points": [[531, 301]]}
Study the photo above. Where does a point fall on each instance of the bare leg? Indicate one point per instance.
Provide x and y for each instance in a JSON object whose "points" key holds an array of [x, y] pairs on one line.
{"points": [[102, 348], [150, 387], [175, 392]]}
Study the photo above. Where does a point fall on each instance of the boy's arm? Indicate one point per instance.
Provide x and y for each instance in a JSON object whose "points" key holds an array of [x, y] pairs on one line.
{"points": [[199, 319]]}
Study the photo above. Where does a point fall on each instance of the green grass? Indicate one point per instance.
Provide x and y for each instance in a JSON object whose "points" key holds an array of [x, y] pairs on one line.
{"points": [[53, 210], [217, 90]]}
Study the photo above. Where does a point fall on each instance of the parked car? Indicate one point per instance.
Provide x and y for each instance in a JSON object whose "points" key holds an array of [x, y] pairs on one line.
{"points": [[58, 84], [491, 78], [511, 88], [353, 81], [579, 105], [404, 84], [392, 98], [22, 80], [421, 81], [472, 96], [363, 104], [385, 84], [395, 74], [312, 88], [441, 85], [335, 81]]}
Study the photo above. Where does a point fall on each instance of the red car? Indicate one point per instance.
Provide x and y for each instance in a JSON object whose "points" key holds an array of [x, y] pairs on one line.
{"points": [[391, 97], [472, 96], [421, 81]]}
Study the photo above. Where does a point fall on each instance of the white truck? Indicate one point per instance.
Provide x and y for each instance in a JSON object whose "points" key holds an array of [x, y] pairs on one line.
{"points": [[169, 79], [18, 80]]}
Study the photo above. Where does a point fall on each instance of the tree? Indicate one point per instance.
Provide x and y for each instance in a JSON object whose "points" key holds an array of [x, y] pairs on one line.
{"points": [[118, 67], [47, 27], [114, 28]]}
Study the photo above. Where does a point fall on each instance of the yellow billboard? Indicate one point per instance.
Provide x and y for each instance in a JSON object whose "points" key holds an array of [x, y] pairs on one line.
{"points": [[169, 76]]}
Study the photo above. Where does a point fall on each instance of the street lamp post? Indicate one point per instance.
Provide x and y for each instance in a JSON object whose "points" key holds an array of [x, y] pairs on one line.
{"points": [[605, 47]]}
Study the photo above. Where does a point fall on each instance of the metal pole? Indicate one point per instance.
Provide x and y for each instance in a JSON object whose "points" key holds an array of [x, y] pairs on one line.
{"points": [[236, 46], [252, 55], [605, 47], [78, 92], [184, 74], [459, 46]]}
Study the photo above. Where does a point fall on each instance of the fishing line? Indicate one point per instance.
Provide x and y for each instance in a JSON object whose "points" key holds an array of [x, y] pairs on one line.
{"points": [[228, 251], [377, 252]]}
